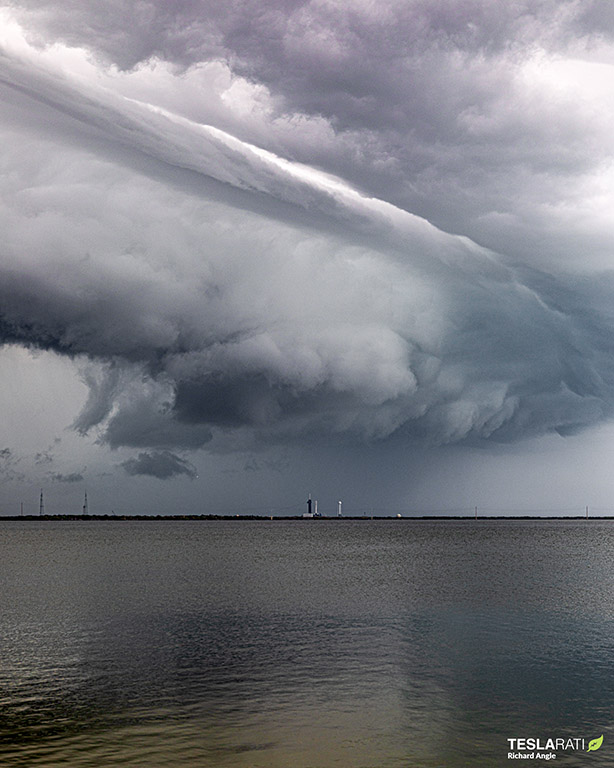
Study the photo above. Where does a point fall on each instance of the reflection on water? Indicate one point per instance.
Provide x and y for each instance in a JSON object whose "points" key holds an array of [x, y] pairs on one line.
{"points": [[303, 644]]}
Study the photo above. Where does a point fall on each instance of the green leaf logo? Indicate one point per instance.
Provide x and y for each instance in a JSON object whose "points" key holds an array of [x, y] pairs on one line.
{"points": [[595, 744]]}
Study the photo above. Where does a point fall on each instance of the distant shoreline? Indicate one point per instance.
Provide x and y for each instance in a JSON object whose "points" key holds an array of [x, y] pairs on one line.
{"points": [[86, 518]]}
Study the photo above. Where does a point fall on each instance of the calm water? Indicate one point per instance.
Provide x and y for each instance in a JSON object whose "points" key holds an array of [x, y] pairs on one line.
{"points": [[303, 644]]}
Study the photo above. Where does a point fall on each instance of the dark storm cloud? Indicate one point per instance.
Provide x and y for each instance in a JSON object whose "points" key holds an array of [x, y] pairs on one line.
{"points": [[128, 33], [279, 465], [8, 465], [141, 423], [160, 464], [43, 457], [224, 294], [72, 477], [597, 19]]}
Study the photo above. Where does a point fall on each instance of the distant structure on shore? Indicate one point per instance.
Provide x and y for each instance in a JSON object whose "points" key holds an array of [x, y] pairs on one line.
{"points": [[312, 508], [85, 505], [339, 508], [41, 506], [309, 512]]}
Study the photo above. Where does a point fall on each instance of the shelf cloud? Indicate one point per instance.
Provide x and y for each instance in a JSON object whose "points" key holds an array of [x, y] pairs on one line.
{"points": [[304, 221]]}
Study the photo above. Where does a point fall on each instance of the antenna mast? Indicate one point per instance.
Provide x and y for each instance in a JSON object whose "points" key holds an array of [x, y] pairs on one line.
{"points": [[85, 506], [41, 506]]}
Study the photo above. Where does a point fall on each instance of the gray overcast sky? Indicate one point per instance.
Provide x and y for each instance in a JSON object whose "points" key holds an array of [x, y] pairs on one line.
{"points": [[252, 250]]}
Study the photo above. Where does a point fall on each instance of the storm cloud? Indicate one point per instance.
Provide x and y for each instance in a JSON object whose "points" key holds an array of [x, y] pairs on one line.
{"points": [[71, 477], [454, 110], [9, 465], [305, 221], [160, 464]]}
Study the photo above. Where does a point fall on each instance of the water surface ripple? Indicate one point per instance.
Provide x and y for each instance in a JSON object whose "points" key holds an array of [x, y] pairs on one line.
{"points": [[303, 644]]}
